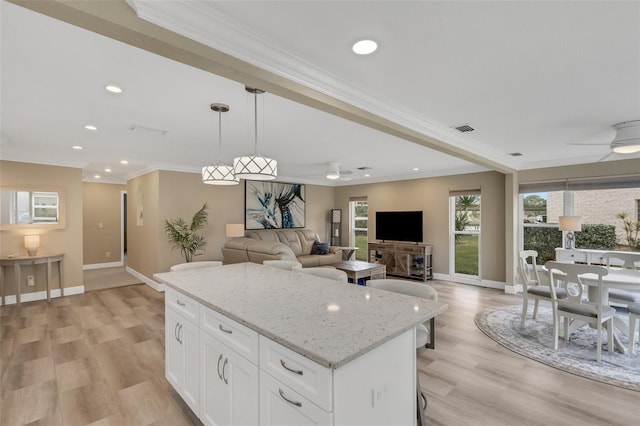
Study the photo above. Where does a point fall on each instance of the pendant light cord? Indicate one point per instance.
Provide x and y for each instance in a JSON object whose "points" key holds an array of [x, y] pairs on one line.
{"points": [[219, 134], [255, 111]]}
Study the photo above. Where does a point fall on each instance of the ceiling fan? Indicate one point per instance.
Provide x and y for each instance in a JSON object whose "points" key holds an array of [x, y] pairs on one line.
{"points": [[334, 173], [627, 140]]}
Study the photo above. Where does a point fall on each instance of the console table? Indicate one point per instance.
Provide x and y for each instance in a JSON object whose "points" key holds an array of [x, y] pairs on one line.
{"points": [[19, 261], [408, 260]]}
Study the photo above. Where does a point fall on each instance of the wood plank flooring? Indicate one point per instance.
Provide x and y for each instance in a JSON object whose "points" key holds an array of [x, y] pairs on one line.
{"points": [[98, 359]]}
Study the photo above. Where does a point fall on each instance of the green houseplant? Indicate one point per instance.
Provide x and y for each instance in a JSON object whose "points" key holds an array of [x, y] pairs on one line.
{"points": [[182, 235]]}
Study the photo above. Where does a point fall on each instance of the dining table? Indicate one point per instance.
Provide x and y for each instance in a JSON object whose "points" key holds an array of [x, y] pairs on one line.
{"points": [[624, 279]]}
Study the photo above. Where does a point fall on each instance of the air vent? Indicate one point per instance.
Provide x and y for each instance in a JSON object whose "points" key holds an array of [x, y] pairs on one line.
{"points": [[515, 154], [364, 168], [464, 128]]}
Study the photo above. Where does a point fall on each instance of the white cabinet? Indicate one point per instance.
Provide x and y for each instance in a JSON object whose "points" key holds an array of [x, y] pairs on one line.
{"points": [[228, 387], [182, 350]]}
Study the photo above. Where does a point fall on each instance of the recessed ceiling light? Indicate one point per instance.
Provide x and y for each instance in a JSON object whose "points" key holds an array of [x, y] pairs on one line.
{"points": [[365, 47], [415, 169], [96, 176], [367, 175], [90, 127], [107, 170], [124, 162], [76, 147], [112, 88]]}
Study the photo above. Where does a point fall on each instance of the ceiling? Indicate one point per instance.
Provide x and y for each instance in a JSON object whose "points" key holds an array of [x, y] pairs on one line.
{"points": [[530, 77]]}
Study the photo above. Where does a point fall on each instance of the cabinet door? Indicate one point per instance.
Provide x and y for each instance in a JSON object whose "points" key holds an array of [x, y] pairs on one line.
{"points": [[189, 335], [229, 386], [281, 406], [174, 355]]}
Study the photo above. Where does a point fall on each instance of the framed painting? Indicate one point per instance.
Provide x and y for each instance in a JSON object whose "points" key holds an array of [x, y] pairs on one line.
{"points": [[273, 205]]}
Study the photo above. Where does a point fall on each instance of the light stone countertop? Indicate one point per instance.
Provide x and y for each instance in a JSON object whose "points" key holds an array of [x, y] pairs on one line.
{"points": [[326, 321]]}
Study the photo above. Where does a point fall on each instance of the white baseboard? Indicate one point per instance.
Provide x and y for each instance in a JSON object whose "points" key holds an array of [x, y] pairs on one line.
{"points": [[42, 295], [148, 281], [102, 265], [480, 283]]}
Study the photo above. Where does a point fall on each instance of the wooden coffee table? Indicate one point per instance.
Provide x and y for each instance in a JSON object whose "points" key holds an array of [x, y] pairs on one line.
{"points": [[357, 269]]}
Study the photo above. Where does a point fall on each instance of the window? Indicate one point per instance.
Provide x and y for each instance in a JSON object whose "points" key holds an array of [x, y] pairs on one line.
{"points": [[465, 234], [359, 226]]}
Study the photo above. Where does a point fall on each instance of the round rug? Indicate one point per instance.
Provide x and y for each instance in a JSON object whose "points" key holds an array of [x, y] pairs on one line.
{"points": [[576, 356]]}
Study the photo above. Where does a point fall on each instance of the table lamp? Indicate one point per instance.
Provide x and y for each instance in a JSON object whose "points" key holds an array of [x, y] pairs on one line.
{"points": [[31, 243], [570, 224], [235, 230]]}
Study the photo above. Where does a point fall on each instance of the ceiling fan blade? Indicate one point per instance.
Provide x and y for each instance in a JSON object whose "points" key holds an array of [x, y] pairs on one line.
{"points": [[606, 156], [586, 144]]}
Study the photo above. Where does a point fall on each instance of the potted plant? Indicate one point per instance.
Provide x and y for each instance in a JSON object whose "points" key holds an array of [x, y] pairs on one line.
{"points": [[183, 235]]}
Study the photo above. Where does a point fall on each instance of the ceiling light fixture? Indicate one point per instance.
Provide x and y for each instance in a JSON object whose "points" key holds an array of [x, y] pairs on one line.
{"points": [[124, 162], [78, 147], [333, 171], [415, 169], [365, 47], [627, 140], [96, 176], [90, 127], [112, 88], [107, 170], [256, 166], [219, 173]]}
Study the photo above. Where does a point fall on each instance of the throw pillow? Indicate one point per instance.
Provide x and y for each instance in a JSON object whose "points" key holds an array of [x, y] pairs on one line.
{"points": [[320, 248]]}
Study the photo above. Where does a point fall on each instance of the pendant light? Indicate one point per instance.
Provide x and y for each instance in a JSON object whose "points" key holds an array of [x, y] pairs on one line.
{"points": [[219, 173], [256, 166]]}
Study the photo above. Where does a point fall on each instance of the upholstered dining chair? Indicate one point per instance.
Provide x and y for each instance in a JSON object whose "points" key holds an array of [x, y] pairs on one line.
{"points": [[283, 264], [195, 265], [634, 317], [532, 287], [576, 307], [627, 261], [424, 336], [321, 271]]}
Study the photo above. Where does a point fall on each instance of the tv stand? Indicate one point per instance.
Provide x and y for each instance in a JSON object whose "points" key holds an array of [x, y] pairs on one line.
{"points": [[407, 260]]}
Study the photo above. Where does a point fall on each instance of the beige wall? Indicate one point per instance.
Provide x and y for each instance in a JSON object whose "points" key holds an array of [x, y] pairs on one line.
{"points": [[67, 240], [102, 205], [431, 195], [168, 195]]}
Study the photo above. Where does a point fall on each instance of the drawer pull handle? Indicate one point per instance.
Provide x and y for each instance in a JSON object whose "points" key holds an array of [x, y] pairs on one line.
{"points": [[300, 372], [226, 361], [180, 303], [219, 374], [175, 332], [226, 330], [296, 403]]}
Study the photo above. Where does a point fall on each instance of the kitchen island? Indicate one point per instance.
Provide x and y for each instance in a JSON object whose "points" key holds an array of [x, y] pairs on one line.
{"points": [[250, 344]]}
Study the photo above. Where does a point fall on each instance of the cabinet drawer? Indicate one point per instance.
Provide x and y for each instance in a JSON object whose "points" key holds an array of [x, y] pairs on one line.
{"points": [[182, 304], [571, 256], [304, 376], [238, 337], [414, 250], [281, 405]]}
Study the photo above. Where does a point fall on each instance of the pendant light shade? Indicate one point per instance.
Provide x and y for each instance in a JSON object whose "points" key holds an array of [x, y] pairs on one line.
{"points": [[256, 166], [219, 173]]}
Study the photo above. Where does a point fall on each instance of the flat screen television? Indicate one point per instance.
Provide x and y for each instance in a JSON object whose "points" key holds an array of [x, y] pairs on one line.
{"points": [[399, 226]]}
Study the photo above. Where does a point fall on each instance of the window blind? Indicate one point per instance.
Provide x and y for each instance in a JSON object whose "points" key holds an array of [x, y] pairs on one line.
{"points": [[581, 184]]}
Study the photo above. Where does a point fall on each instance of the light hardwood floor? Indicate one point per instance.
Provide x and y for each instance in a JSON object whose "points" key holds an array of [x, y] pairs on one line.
{"points": [[98, 358]]}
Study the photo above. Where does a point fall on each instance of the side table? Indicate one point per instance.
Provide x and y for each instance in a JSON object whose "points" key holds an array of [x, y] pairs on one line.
{"points": [[19, 261]]}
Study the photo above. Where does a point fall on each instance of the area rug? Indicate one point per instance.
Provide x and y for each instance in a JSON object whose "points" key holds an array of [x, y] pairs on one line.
{"points": [[576, 356]]}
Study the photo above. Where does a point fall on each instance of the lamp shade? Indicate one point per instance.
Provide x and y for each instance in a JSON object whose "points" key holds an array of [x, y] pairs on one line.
{"points": [[570, 223], [219, 175], [235, 230], [31, 243], [255, 167]]}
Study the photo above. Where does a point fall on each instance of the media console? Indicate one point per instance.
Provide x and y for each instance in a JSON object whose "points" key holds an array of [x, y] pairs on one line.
{"points": [[408, 260]]}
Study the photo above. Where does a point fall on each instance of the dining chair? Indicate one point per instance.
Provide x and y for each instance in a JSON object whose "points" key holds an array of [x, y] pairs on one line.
{"points": [[634, 317], [283, 264], [576, 307], [532, 287], [322, 271], [195, 265], [627, 261], [425, 337]]}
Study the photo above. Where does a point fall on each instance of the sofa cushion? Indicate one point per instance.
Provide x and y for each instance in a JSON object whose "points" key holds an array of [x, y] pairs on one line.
{"points": [[290, 238], [307, 238], [319, 248]]}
